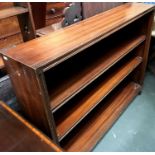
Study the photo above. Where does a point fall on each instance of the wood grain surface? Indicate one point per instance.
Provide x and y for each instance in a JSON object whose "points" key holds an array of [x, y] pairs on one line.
{"points": [[83, 105], [31, 96], [9, 26], [60, 65], [91, 130], [71, 84], [19, 135], [10, 41], [12, 11], [66, 42]]}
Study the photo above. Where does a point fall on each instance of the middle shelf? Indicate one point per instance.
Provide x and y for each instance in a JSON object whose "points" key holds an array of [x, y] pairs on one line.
{"points": [[83, 104]]}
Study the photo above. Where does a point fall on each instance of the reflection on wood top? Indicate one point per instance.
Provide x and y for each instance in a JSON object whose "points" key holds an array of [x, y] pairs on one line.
{"points": [[64, 43]]}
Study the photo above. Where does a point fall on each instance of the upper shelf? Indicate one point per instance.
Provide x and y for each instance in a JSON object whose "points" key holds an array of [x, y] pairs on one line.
{"points": [[12, 11], [66, 42], [75, 82]]}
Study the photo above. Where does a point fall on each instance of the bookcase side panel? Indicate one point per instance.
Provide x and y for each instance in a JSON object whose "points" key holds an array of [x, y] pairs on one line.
{"points": [[30, 94], [144, 50]]}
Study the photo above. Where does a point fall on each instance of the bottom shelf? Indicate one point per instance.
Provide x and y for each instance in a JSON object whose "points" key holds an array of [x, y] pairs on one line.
{"points": [[86, 136]]}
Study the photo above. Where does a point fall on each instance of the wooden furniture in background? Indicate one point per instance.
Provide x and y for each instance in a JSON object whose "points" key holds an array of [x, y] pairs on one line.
{"points": [[19, 135], [10, 34], [7, 32], [65, 14], [90, 9], [24, 15], [54, 12], [74, 83], [26, 21], [39, 13]]}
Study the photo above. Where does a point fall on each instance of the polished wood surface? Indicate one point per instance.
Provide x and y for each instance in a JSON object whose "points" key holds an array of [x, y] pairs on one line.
{"points": [[10, 41], [147, 30], [76, 82], [18, 135], [85, 104], [10, 14], [12, 11], [88, 134], [35, 108], [10, 32], [73, 60], [66, 42], [8, 27]]}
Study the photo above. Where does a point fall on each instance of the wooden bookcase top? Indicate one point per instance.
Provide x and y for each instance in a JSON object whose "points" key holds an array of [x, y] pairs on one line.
{"points": [[52, 49]]}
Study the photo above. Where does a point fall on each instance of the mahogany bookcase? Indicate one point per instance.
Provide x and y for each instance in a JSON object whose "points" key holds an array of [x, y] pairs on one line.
{"points": [[74, 83]]}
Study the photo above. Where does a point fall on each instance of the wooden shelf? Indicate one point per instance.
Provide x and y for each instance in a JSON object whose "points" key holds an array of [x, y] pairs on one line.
{"points": [[80, 80], [83, 105], [1, 63], [101, 120], [9, 34], [12, 11]]}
